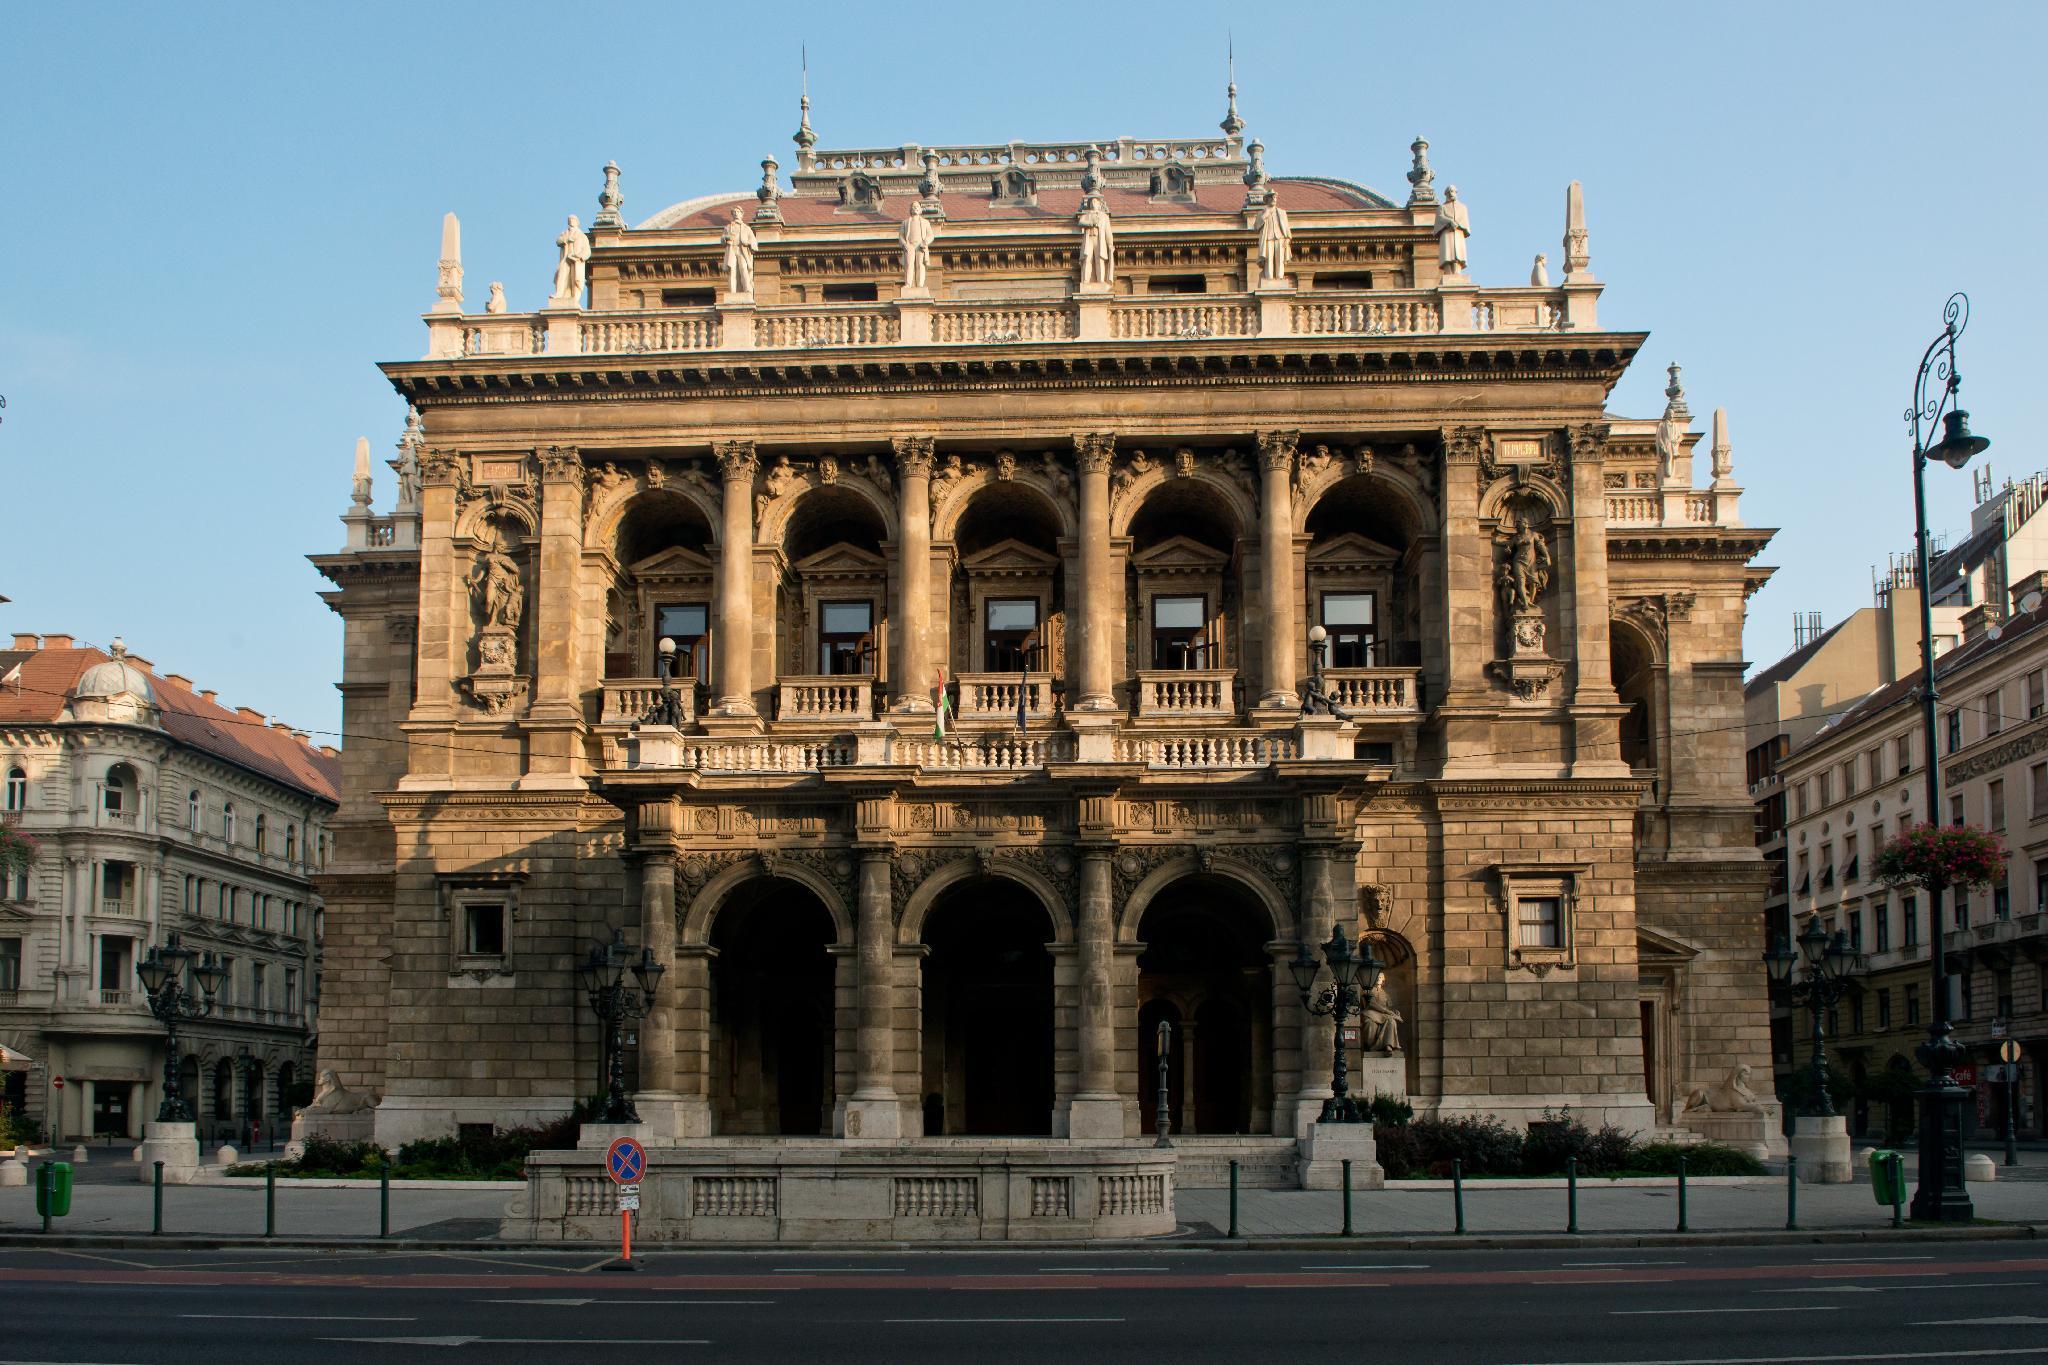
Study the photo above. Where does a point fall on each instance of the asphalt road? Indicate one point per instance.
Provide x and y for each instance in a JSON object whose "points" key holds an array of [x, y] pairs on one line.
{"points": [[1753, 1306]]}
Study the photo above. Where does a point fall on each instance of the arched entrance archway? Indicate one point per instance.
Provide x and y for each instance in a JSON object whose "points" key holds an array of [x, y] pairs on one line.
{"points": [[1204, 956], [772, 1036], [988, 1016]]}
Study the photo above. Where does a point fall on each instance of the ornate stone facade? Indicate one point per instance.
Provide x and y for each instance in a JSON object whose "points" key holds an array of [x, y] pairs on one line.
{"points": [[998, 735]]}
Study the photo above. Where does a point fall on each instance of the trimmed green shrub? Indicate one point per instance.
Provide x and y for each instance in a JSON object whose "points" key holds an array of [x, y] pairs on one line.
{"points": [[1701, 1158], [1391, 1109]]}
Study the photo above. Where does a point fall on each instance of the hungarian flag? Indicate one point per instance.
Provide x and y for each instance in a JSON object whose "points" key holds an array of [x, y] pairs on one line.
{"points": [[942, 710]]}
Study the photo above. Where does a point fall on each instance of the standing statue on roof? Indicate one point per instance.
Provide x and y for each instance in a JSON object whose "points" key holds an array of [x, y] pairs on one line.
{"points": [[1276, 239], [1098, 245], [740, 244], [573, 266], [1453, 227], [920, 230]]}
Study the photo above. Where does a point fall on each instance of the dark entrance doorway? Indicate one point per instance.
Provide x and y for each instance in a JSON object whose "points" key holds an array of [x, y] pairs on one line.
{"points": [[1205, 959], [110, 1109], [771, 1012], [988, 1012]]}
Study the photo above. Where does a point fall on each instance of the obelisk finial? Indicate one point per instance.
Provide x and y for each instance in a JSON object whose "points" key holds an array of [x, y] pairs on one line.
{"points": [[1232, 125], [805, 139]]}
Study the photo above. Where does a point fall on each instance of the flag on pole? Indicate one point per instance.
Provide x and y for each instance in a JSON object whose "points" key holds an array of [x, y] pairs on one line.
{"points": [[943, 709], [1024, 677]]}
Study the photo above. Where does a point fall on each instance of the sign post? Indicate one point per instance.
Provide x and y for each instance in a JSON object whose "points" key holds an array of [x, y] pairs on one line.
{"points": [[2009, 1055], [625, 1161]]}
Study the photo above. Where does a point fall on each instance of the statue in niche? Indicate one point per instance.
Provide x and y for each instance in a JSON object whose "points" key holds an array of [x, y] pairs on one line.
{"points": [[920, 230], [1524, 572], [1379, 1023], [740, 244], [1276, 239], [573, 265], [499, 590], [1098, 246], [1453, 228]]}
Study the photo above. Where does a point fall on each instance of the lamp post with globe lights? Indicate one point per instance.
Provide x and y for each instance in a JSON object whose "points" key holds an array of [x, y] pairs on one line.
{"points": [[164, 972], [603, 977]]}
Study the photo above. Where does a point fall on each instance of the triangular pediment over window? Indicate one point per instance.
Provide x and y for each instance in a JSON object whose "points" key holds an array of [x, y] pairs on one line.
{"points": [[1351, 551], [1653, 946], [1180, 554], [1011, 557], [841, 559], [675, 562]]}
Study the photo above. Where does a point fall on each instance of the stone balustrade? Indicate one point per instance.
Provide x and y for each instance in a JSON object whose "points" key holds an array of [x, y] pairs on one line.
{"points": [[669, 330], [993, 696], [766, 755], [1152, 319], [1213, 749], [1375, 691], [1180, 693], [1366, 314], [990, 324], [908, 157], [845, 698], [994, 752], [1675, 507], [630, 699], [863, 324]]}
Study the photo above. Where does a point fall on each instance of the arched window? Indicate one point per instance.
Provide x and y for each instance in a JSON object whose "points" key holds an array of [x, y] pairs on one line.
{"points": [[291, 843], [261, 826], [227, 822], [17, 789], [192, 812]]}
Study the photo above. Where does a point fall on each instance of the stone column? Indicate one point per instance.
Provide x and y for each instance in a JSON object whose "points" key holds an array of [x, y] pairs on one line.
{"points": [[1596, 711], [874, 1111], [735, 645], [658, 936], [912, 663], [555, 719], [443, 634], [1096, 1110], [1318, 1032], [1101, 596], [1276, 567]]}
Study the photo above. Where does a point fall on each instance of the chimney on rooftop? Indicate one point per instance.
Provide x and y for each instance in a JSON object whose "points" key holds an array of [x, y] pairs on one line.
{"points": [[2035, 582], [208, 693], [56, 642], [330, 751], [1979, 619], [145, 665], [179, 680], [28, 641], [249, 713]]}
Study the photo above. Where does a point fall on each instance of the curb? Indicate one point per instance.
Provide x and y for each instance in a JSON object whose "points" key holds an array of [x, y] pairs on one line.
{"points": [[1439, 1241]]}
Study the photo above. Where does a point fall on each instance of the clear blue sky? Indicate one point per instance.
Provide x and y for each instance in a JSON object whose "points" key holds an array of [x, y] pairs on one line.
{"points": [[219, 216]]}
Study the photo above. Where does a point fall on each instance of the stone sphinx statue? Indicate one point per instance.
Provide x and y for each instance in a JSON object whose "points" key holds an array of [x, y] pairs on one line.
{"points": [[330, 1096], [1731, 1096]]}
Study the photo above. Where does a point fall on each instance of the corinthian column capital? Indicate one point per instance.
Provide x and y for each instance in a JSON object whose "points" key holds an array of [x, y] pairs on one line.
{"points": [[1092, 451], [914, 455], [1276, 449], [736, 460], [559, 462]]}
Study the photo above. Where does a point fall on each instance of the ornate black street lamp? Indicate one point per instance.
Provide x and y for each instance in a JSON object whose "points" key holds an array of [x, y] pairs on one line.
{"points": [[668, 702], [1162, 1113], [1316, 696], [1353, 974], [164, 972], [603, 978], [1941, 1194], [1827, 977]]}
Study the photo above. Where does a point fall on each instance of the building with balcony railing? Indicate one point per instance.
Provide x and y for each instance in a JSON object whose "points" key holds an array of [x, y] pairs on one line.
{"points": [[153, 810], [1091, 572]]}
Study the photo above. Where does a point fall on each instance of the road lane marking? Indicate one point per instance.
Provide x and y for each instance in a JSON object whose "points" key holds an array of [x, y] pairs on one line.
{"points": [[625, 1303], [1375, 1266], [839, 1270], [1986, 1354], [1624, 1265], [1860, 1260], [293, 1317], [1690, 1312], [520, 1341], [1829, 1289], [995, 1320], [1109, 1270], [2015, 1320]]}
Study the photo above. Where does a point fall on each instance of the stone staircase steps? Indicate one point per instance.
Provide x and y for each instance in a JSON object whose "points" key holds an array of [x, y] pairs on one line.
{"points": [[1264, 1163]]}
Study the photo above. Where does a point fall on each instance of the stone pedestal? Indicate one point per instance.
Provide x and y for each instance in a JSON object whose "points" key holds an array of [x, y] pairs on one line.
{"points": [[1093, 324], [874, 1119], [563, 319], [1978, 1167], [1761, 1135], [1822, 1146], [914, 317], [14, 1171], [1276, 309], [1328, 1146], [174, 1144], [1326, 737], [671, 1117], [736, 323], [1529, 670], [1095, 1118], [654, 746], [495, 686], [1379, 1073]]}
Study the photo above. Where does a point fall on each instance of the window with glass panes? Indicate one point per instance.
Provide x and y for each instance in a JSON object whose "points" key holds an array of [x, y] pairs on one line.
{"points": [[1881, 921], [10, 964], [689, 625], [1856, 931], [17, 789], [2037, 697], [1009, 625], [1954, 730], [1959, 907], [1905, 746], [1541, 920], [1994, 710], [1994, 803], [846, 638], [2001, 902], [1912, 1005], [1352, 620], [1178, 632], [1855, 1014], [1884, 1008], [1909, 919]]}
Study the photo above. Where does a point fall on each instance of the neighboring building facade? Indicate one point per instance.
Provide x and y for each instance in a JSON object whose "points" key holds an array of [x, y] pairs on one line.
{"points": [[1100, 481], [1859, 782], [155, 811]]}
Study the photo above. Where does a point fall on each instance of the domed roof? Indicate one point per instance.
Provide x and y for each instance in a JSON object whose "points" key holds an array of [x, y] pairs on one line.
{"points": [[114, 679]]}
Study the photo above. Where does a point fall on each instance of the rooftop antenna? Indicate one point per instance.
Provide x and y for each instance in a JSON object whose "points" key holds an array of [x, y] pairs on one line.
{"points": [[805, 139], [1232, 125]]}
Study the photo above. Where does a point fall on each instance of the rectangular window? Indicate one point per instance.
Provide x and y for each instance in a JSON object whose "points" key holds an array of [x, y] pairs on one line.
{"points": [[17, 789], [1827, 786], [1353, 622], [1009, 630], [2037, 791], [851, 293], [2037, 693], [1179, 625], [1874, 761], [1882, 922], [689, 625], [259, 983], [688, 298], [1960, 989], [2001, 902], [1953, 730], [1849, 777], [1993, 705], [10, 964], [1856, 1014], [2041, 888], [1852, 866], [1910, 919], [1955, 810], [1827, 866], [1959, 908], [1905, 754], [1884, 1009], [291, 991], [483, 930], [1912, 1005], [1542, 921], [1177, 284], [1994, 803], [114, 966], [1855, 931], [1799, 800], [846, 638]]}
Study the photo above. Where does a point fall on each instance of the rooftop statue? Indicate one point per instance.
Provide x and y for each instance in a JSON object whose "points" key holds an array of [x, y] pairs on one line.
{"points": [[1453, 227], [496, 302], [1276, 239], [1098, 245], [573, 265], [740, 244], [919, 232], [1539, 273]]}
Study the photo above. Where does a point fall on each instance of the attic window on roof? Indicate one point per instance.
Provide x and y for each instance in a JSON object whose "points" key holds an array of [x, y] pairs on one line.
{"points": [[1177, 284], [850, 293], [687, 298], [1342, 280]]}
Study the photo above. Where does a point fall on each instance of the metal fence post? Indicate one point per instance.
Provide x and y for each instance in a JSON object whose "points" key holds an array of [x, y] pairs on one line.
{"points": [[1347, 1199], [1571, 1193], [270, 1199], [1233, 1198], [1458, 1194], [1681, 1195], [43, 1193], [384, 1199], [156, 1224], [1791, 1194]]}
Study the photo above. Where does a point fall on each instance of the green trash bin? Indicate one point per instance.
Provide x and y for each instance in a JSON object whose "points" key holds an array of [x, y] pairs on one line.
{"points": [[1887, 1176], [53, 1189]]}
